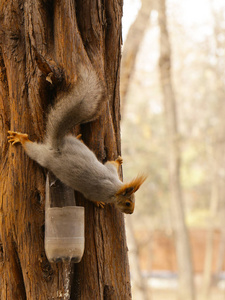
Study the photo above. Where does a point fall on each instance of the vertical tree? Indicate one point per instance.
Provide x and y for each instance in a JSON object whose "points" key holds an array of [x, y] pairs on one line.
{"points": [[131, 46], [130, 51], [139, 282], [39, 40], [217, 162], [186, 289]]}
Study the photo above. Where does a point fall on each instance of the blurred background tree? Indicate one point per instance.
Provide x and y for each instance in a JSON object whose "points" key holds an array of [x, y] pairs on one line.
{"points": [[197, 39], [182, 244]]}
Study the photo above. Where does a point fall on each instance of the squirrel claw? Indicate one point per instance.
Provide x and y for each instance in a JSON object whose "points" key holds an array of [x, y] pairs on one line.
{"points": [[79, 137], [100, 204], [17, 137], [119, 160], [13, 140]]}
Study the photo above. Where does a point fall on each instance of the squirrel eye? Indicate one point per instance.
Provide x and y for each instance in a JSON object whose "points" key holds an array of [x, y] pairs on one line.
{"points": [[128, 204]]}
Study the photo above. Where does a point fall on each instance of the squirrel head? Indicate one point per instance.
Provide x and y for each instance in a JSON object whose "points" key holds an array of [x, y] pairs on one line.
{"points": [[125, 199]]}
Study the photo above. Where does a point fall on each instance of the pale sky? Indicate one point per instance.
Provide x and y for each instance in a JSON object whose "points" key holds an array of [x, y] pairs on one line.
{"points": [[189, 13]]}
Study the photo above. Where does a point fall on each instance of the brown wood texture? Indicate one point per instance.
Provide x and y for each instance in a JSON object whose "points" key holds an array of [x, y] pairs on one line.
{"points": [[62, 32]]}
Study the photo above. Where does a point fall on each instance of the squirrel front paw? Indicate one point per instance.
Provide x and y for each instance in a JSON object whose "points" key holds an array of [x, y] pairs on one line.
{"points": [[17, 137], [100, 204], [119, 160]]}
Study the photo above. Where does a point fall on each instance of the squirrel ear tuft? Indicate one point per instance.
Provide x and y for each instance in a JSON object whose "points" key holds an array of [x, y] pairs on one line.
{"points": [[128, 191], [129, 188]]}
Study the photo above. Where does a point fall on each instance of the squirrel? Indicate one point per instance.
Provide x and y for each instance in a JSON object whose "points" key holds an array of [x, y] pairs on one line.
{"points": [[68, 158]]}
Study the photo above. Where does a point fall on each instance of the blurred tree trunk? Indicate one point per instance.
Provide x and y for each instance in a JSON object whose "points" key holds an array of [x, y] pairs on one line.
{"points": [[208, 263], [139, 283], [217, 205], [130, 50], [131, 46], [217, 161], [221, 251], [186, 288], [63, 31]]}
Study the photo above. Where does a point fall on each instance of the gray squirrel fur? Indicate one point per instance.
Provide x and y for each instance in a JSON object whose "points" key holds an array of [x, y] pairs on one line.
{"points": [[68, 158]]}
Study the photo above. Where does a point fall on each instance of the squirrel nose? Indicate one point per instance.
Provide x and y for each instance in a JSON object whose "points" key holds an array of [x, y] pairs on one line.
{"points": [[130, 211]]}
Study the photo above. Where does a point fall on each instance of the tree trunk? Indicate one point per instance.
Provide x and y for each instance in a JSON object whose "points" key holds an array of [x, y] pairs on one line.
{"points": [[131, 46], [217, 165], [56, 34], [186, 289], [208, 262], [221, 250], [138, 281], [130, 51]]}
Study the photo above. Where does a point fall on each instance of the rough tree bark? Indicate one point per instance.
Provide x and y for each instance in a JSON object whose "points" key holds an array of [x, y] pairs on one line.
{"points": [[186, 289], [61, 32]]}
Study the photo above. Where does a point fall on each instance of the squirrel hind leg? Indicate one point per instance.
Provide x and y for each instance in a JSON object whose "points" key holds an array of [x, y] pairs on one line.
{"points": [[17, 137], [79, 138], [117, 163]]}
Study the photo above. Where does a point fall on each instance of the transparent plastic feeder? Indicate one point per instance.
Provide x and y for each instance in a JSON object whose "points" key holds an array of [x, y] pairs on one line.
{"points": [[64, 231]]}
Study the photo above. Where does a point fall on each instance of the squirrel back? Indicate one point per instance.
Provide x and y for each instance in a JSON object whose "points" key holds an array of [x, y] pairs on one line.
{"points": [[68, 158], [81, 104]]}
